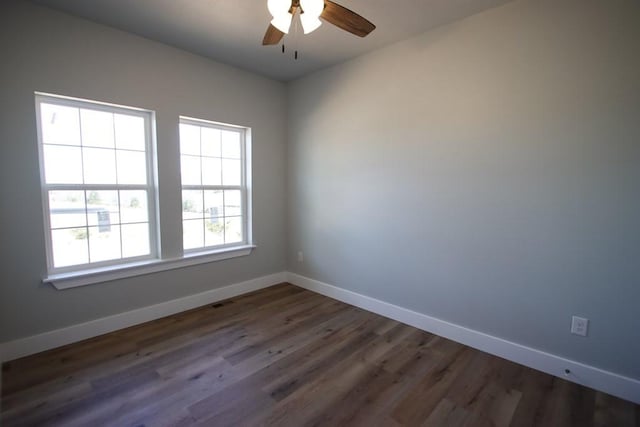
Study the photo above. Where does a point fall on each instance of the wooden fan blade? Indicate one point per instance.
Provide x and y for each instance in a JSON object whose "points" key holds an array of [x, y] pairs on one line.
{"points": [[346, 19], [272, 36]]}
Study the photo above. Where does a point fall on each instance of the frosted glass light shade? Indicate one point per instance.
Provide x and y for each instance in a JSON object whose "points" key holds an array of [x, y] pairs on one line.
{"points": [[312, 7], [278, 7], [309, 23], [282, 22], [279, 10]]}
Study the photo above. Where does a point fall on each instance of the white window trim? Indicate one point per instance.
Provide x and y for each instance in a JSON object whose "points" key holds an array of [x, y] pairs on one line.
{"points": [[123, 271]]}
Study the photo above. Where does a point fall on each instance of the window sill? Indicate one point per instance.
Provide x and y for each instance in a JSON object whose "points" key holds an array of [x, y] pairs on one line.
{"points": [[106, 274]]}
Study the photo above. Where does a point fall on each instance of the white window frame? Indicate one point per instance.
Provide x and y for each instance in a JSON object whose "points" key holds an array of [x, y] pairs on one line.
{"points": [[244, 187], [150, 187]]}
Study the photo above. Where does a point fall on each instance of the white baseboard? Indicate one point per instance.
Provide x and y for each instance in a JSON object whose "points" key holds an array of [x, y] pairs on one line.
{"points": [[34, 344], [590, 376]]}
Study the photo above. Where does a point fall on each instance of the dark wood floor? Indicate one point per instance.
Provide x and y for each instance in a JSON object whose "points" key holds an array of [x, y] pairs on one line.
{"points": [[286, 356]]}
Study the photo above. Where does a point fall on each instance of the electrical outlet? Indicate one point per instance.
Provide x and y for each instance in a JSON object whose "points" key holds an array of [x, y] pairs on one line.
{"points": [[300, 256], [579, 326]]}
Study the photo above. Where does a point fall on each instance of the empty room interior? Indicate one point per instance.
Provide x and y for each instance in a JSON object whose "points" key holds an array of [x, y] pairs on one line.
{"points": [[318, 212]]}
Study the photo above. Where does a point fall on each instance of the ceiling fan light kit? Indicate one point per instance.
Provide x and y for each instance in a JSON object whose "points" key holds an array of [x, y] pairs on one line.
{"points": [[283, 11]]}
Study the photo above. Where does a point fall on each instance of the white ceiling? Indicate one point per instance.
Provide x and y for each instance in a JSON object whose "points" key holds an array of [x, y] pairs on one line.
{"points": [[231, 31]]}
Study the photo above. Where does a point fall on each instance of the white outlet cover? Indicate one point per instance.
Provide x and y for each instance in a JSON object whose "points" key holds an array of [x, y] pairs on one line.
{"points": [[579, 326]]}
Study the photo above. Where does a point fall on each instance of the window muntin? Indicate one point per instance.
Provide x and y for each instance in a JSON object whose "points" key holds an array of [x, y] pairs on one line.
{"points": [[97, 180], [214, 185]]}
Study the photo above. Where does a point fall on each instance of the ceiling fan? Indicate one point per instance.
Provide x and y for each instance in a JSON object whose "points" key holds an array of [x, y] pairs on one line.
{"points": [[283, 12]]}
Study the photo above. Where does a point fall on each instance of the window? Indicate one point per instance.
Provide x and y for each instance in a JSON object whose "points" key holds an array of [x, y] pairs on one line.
{"points": [[97, 183], [99, 195], [215, 197]]}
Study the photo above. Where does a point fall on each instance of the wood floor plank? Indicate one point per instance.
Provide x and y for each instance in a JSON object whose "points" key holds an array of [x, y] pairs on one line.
{"points": [[318, 357], [426, 395], [447, 413], [288, 357], [398, 352], [174, 394], [610, 411], [407, 372], [534, 387]]}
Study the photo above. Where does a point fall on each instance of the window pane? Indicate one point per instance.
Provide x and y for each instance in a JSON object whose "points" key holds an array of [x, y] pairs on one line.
{"points": [[67, 209], [69, 247], [210, 142], [231, 172], [233, 230], [60, 124], [190, 170], [133, 206], [192, 204], [211, 171], [232, 203], [99, 166], [129, 132], [192, 233], [230, 144], [62, 165], [97, 128], [135, 240], [190, 140], [132, 167], [102, 209], [213, 231], [104, 244], [213, 204]]}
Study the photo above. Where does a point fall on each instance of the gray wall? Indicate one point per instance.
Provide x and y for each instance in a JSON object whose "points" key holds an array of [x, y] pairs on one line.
{"points": [[486, 173], [43, 50]]}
